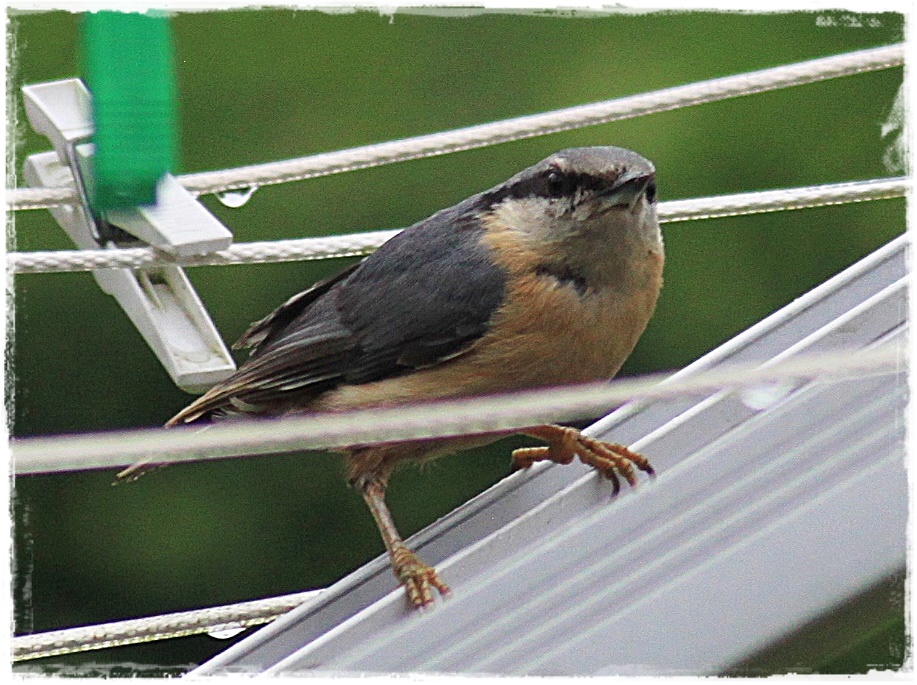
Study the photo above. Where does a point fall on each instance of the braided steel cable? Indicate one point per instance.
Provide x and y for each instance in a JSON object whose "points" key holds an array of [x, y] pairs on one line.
{"points": [[212, 620], [360, 244]]}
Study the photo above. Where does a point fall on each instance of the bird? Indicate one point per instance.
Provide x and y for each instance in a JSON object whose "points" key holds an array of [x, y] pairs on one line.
{"points": [[547, 279]]}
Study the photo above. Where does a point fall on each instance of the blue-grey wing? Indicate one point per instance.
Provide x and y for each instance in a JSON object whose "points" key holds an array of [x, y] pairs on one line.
{"points": [[423, 297]]}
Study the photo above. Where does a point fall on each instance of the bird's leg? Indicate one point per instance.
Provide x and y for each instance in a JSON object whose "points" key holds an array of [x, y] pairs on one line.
{"points": [[418, 578], [564, 444]]}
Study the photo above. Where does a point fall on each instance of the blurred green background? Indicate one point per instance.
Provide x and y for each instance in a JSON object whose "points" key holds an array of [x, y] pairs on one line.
{"points": [[270, 84]]}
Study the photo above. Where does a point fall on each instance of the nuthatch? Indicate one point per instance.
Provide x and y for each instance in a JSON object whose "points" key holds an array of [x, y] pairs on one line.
{"points": [[547, 279]]}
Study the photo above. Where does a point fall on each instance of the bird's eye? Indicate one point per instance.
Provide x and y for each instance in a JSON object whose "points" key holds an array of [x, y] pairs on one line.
{"points": [[558, 184], [650, 192]]}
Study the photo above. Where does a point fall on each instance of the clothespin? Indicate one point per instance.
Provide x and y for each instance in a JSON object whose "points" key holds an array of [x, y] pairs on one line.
{"points": [[160, 301]]}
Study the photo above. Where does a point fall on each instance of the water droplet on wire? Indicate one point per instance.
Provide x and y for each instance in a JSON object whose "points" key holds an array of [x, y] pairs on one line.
{"points": [[225, 633], [236, 198]]}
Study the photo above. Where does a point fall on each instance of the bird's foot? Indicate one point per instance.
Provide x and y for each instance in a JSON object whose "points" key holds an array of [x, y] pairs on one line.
{"points": [[609, 459], [418, 578]]}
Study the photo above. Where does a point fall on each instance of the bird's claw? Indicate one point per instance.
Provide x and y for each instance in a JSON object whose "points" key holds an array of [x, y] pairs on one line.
{"points": [[418, 579], [609, 459]]}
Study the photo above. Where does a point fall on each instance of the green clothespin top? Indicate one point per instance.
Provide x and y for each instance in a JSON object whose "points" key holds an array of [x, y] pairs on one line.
{"points": [[128, 65]]}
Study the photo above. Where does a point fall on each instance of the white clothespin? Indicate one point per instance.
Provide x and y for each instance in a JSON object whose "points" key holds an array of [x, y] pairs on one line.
{"points": [[160, 301]]}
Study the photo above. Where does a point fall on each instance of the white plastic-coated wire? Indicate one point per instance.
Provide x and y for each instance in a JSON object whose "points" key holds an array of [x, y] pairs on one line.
{"points": [[211, 620], [359, 244], [482, 135], [497, 414]]}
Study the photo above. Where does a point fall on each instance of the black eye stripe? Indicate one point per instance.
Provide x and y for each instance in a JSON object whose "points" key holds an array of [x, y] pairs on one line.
{"points": [[550, 183], [558, 184]]}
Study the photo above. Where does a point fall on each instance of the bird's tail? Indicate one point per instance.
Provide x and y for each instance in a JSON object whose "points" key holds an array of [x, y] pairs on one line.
{"points": [[144, 466], [140, 468]]}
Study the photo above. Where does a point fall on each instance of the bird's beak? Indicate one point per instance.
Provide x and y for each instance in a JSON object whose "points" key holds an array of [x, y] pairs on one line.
{"points": [[628, 190]]}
